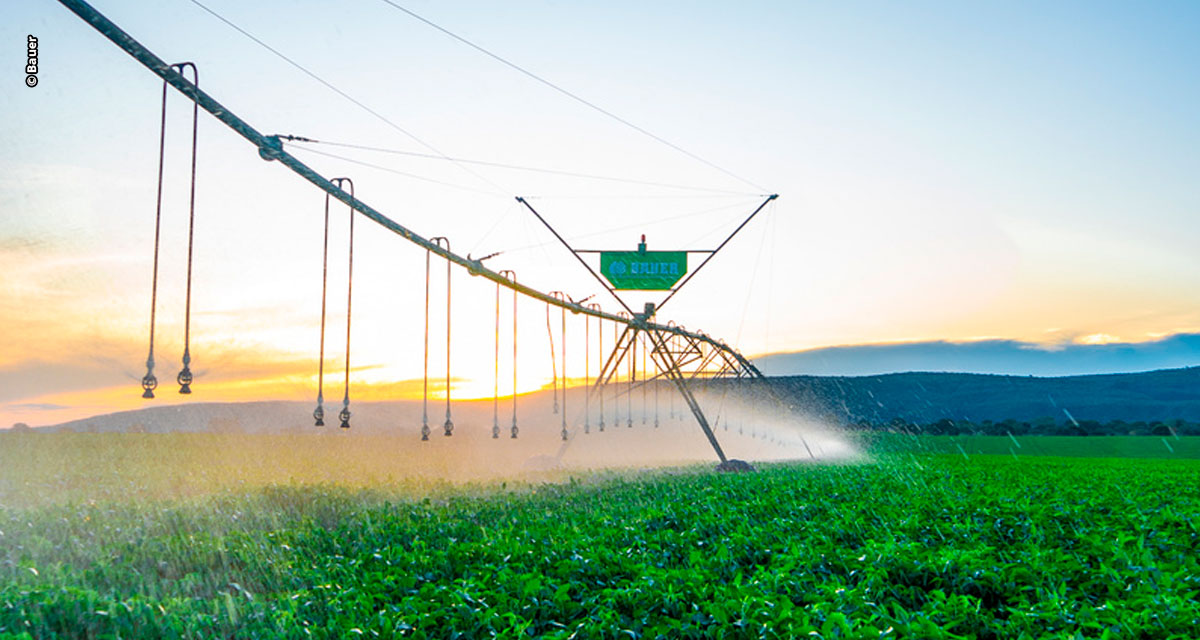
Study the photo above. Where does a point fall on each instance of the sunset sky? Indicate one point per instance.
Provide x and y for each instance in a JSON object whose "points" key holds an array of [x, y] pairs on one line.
{"points": [[946, 171]]}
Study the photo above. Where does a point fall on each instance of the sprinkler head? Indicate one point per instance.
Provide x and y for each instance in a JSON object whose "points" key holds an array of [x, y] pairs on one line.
{"points": [[149, 383], [185, 381]]}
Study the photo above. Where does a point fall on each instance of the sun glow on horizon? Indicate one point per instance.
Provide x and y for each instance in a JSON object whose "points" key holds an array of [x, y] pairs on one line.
{"points": [[1098, 338], [55, 408]]}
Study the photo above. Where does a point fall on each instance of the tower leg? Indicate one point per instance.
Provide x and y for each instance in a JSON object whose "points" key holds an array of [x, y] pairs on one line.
{"points": [[671, 368]]}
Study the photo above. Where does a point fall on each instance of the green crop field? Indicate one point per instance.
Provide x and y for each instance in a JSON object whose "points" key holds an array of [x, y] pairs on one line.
{"points": [[123, 536], [1169, 447]]}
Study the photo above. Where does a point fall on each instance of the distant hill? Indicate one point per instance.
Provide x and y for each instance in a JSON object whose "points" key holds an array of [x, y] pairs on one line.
{"points": [[917, 398], [924, 398], [1006, 357], [219, 417], [281, 417], [270, 417]]}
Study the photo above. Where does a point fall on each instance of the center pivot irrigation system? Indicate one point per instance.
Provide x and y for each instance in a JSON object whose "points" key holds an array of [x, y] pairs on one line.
{"points": [[678, 355]]}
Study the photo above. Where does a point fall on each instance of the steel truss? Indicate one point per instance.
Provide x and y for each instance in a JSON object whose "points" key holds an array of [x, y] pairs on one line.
{"points": [[680, 356]]}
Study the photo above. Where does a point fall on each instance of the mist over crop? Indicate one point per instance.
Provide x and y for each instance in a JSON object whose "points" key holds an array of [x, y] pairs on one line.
{"points": [[186, 451]]}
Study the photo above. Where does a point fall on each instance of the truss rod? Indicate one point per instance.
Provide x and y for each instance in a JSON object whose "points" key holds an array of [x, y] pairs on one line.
{"points": [[669, 365], [714, 252]]}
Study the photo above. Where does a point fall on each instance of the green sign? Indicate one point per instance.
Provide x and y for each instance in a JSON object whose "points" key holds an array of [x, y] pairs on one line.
{"points": [[643, 270]]}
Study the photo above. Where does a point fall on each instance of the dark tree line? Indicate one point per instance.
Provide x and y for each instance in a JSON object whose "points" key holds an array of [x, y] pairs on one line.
{"points": [[1040, 426]]}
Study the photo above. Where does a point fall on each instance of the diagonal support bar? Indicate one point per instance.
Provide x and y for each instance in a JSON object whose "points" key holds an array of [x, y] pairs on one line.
{"points": [[576, 254], [668, 364], [724, 242]]}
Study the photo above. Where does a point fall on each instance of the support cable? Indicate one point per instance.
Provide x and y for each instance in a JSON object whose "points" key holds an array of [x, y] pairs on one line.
{"points": [[672, 412], [344, 414], [319, 412], [656, 386], [587, 374], [185, 375], [724, 242], [645, 379], [600, 353], [406, 174], [496, 373], [512, 277], [595, 275], [514, 167], [564, 372], [640, 224], [573, 96], [563, 336], [149, 382], [448, 427], [615, 376], [670, 343], [671, 367], [631, 352], [425, 380], [553, 357], [331, 87]]}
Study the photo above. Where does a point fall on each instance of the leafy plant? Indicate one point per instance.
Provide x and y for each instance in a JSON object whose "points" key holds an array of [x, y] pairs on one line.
{"points": [[927, 546]]}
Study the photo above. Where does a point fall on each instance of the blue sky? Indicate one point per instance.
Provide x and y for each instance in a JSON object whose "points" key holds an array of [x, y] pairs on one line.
{"points": [[1017, 171]]}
